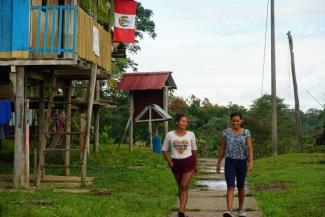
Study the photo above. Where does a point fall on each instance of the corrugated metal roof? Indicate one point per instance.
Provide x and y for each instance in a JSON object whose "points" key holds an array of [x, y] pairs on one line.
{"points": [[146, 81]]}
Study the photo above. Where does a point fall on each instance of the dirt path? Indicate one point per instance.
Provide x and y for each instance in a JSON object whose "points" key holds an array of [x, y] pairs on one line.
{"points": [[208, 199]]}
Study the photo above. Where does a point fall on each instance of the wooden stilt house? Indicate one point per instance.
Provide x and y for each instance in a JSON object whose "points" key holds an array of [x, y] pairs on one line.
{"points": [[52, 57], [148, 97]]}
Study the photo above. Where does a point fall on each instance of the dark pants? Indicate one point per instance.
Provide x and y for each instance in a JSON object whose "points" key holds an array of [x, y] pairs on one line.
{"points": [[235, 168]]}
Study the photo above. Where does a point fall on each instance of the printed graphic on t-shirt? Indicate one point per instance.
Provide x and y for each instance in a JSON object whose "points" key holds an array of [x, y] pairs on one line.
{"points": [[180, 145]]}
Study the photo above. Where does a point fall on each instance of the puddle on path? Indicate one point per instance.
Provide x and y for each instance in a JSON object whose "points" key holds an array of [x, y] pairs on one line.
{"points": [[213, 184], [219, 185], [210, 170]]}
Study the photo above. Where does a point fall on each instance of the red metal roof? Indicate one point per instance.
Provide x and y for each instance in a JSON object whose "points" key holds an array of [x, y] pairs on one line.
{"points": [[145, 81]]}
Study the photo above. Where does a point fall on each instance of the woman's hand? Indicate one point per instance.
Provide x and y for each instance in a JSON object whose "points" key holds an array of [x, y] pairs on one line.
{"points": [[250, 165], [170, 164], [218, 168], [196, 169]]}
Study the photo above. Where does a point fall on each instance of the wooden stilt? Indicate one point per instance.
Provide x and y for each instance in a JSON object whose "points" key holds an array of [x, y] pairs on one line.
{"points": [[41, 116], [27, 142], [165, 105], [150, 128], [91, 92], [96, 119], [35, 161], [48, 112], [131, 111], [125, 131], [96, 130], [69, 91], [19, 177]]}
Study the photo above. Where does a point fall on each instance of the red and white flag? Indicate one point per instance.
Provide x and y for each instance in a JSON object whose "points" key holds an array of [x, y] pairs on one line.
{"points": [[125, 12]]}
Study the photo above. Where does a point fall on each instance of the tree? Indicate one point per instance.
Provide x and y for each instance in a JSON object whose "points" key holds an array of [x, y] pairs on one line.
{"points": [[178, 105], [113, 120], [259, 122]]}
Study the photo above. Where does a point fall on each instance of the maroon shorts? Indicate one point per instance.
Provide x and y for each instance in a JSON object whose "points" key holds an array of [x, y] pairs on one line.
{"points": [[182, 166]]}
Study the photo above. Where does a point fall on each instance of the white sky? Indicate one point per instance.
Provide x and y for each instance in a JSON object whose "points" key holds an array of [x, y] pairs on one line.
{"points": [[215, 48]]}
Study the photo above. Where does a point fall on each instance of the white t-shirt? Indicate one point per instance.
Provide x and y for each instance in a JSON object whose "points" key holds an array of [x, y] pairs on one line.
{"points": [[181, 146]]}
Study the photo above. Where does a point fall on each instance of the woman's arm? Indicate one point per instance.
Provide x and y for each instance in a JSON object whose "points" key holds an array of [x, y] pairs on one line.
{"points": [[221, 153], [250, 152], [194, 149], [167, 158], [194, 153], [165, 148]]}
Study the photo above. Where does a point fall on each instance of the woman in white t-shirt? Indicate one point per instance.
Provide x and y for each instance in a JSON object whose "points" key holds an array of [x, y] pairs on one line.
{"points": [[183, 161]]}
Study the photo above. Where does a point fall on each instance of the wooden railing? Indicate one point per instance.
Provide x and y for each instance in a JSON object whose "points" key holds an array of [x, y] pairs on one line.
{"points": [[66, 31], [54, 30]]}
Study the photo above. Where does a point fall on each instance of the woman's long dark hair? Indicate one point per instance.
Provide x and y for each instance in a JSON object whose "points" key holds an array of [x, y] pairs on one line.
{"points": [[179, 116]]}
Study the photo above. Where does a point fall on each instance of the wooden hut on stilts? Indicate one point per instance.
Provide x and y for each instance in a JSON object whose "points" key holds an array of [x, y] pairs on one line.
{"points": [[148, 99], [52, 57]]}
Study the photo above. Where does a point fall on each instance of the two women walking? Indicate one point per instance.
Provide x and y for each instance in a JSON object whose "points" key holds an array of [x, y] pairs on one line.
{"points": [[236, 146]]}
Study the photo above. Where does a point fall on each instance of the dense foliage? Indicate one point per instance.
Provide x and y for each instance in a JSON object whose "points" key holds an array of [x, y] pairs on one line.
{"points": [[208, 120]]}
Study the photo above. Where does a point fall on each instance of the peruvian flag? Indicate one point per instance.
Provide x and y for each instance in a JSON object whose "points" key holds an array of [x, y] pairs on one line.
{"points": [[125, 11]]}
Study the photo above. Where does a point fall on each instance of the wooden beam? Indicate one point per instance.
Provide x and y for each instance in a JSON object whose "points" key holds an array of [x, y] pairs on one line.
{"points": [[165, 105], [20, 177], [27, 140], [91, 93], [299, 139], [36, 76], [68, 93], [150, 128], [131, 113], [29, 62], [96, 118], [41, 116]]}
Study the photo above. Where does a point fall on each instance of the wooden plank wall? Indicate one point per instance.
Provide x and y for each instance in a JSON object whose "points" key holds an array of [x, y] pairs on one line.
{"points": [[85, 41]]}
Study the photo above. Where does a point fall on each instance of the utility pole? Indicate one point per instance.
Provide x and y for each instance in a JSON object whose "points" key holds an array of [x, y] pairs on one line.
{"points": [[273, 86], [300, 144]]}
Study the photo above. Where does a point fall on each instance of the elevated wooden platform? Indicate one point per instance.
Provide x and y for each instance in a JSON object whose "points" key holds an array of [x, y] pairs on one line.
{"points": [[6, 181], [64, 69]]}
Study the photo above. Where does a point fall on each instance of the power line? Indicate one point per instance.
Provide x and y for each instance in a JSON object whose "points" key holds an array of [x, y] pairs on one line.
{"points": [[265, 36], [315, 99]]}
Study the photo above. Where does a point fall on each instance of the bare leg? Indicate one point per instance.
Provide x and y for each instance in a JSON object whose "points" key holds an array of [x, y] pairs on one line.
{"points": [[241, 197], [230, 197], [186, 178], [178, 180]]}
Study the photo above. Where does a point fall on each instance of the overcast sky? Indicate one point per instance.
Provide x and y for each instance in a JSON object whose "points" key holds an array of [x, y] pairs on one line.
{"points": [[215, 48]]}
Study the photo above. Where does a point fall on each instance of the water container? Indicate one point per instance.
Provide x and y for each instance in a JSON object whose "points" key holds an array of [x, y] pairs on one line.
{"points": [[156, 144]]}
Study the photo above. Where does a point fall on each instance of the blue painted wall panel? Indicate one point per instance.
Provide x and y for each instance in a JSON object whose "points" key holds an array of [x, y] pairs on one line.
{"points": [[14, 25], [20, 25], [6, 25]]}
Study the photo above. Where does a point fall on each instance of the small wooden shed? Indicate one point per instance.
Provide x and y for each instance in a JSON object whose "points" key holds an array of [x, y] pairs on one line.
{"points": [[145, 89]]}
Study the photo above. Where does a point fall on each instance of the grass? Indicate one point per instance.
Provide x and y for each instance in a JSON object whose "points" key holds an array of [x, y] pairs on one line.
{"points": [[290, 185], [142, 186]]}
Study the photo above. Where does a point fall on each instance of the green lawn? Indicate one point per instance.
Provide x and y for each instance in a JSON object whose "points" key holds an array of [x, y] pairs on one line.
{"points": [[290, 185], [142, 186]]}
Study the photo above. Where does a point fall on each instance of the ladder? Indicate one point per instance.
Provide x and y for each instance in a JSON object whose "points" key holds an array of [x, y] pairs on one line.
{"points": [[83, 133]]}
